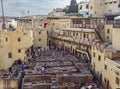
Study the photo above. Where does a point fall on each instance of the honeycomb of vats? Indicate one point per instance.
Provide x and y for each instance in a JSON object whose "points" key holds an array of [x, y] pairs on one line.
{"points": [[65, 69]]}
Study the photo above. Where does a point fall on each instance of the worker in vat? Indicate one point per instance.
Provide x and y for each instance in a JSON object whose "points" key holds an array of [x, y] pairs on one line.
{"points": [[10, 70], [42, 70], [22, 66], [45, 66], [16, 72]]}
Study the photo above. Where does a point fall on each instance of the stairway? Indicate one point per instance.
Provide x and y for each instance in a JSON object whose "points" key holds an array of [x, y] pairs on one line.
{"points": [[98, 35], [84, 52]]}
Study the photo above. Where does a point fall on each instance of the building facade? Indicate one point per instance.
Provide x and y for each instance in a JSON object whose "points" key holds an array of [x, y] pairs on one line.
{"points": [[91, 39], [83, 8], [98, 8], [15, 45], [18, 44]]}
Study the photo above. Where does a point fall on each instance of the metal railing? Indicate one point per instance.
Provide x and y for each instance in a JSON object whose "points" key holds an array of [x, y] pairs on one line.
{"points": [[88, 26], [116, 24], [109, 21]]}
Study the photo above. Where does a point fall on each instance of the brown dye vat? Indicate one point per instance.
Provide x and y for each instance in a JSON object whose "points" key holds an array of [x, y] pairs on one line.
{"points": [[33, 78], [62, 87], [10, 83], [71, 87], [74, 79], [41, 87]]}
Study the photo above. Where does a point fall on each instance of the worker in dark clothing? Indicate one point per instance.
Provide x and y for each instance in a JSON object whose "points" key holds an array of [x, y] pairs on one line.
{"points": [[16, 72], [19, 61], [22, 66], [10, 70], [45, 66]]}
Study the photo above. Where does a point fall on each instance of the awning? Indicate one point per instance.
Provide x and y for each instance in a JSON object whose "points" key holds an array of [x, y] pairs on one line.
{"points": [[117, 18], [111, 16]]}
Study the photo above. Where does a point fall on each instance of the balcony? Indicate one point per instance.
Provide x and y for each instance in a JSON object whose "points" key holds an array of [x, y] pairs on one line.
{"points": [[87, 26], [116, 24], [76, 39], [109, 21]]}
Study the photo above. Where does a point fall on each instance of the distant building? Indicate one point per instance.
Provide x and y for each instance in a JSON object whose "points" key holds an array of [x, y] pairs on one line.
{"points": [[83, 8], [104, 7], [57, 12], [9, 22], [39, 33]]}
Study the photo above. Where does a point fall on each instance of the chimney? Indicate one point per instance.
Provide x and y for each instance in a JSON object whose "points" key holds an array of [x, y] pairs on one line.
{"points": [[3, 25]]}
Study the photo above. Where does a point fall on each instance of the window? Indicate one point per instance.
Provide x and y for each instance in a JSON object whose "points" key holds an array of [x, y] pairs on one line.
{"points": [[105, 80], [19, 50], [107, 37], [84, 35], [105, 67], [19, 39], [117, 80], [108, 30], [91, 7], [87, 6], [39, 39], [93, 54], [110, 2], [9, 55], [105, 3], [6, 39], [80, 7], [91, 14], [39, 32], [99, 58], [95, 12], [76, 34], [115, 2]]}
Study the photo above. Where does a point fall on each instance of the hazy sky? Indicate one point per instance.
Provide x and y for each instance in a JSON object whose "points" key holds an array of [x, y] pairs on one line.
{"points": [[20, 7]]}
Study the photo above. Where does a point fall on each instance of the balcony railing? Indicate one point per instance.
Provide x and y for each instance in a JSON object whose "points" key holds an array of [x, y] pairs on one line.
{"points": [[76, 39], [116, 24], [109, 21], [89, 26]]}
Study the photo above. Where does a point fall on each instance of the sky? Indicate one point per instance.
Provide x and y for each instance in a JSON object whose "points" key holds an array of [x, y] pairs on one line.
{"points": [[35, 7]]}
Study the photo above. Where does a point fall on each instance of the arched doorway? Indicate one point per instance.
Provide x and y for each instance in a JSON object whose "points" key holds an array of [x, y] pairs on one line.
{"points": [[108, 84], [100, 78]]}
